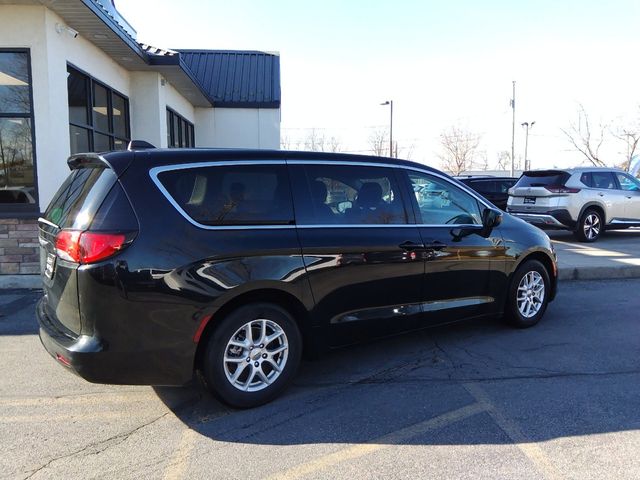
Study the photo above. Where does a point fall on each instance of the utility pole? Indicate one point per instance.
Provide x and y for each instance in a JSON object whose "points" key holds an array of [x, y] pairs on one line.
{"points": [[527, 125], [390, 103], [513, 130]]}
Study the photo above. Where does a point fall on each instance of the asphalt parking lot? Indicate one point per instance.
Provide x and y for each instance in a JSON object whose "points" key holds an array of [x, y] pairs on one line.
{"points": [[473, 400]]}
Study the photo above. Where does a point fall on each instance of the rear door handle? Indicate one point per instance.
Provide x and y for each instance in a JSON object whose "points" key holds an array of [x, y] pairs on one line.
{"points": [[436, 245], [411, 246]]}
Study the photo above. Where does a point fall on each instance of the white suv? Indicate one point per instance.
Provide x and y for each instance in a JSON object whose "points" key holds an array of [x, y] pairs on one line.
{"points": [[586, 200]]}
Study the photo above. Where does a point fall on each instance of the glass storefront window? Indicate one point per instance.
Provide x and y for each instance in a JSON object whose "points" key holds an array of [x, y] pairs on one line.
{"points": [[14, 83], [180, 132], [102, 127], [17, 170]]}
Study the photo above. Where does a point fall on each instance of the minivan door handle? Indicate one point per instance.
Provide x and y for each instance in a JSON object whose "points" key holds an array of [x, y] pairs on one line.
{"points": [[436, 245], [411, 246]]}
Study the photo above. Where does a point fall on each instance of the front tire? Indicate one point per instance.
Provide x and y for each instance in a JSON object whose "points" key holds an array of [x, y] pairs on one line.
{"points": [[590, 226], [252, 355], [528, 294]]}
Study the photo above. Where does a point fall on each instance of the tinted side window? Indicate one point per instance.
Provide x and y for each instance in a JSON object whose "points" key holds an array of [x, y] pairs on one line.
{"points": [[346, 194], [232, 194], [484, 186], [440, 202], [503, 186], [603, 180]]}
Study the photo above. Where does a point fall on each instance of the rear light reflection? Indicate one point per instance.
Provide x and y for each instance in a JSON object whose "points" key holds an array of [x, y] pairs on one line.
{"points": [[63, 360], [561, 189], [88, 247]]}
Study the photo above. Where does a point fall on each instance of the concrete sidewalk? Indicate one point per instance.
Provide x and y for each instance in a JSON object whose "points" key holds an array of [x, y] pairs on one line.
{"points": [[615, 255]]}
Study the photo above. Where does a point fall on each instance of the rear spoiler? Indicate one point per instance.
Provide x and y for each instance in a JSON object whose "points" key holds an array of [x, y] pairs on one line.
{"points": [[118, 163], [86, 160]]}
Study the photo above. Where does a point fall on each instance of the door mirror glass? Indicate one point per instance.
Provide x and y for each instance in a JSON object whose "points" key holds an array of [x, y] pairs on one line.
{"points": [[491, 218]]}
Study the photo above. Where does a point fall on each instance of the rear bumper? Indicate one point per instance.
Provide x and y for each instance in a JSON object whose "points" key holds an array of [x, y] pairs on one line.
{"points": [[552, 219], [91, 358]]}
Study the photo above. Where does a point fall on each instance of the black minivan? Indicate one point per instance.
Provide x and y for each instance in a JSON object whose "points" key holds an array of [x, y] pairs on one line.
{"points": [[231, 263]]}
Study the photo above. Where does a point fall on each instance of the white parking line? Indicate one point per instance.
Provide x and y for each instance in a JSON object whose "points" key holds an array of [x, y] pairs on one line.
{"points": [[386, 441]]}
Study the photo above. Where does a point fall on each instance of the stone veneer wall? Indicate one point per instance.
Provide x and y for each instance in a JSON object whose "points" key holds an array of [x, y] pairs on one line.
{"points": [[19, 246]]}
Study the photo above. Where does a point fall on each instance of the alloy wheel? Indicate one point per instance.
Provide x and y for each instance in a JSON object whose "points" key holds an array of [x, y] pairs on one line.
{"points": [[591, 226], [256, 355], [531, 292]]}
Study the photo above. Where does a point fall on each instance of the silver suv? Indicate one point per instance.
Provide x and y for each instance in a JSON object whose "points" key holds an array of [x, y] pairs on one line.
{"points": [[586, 200]]}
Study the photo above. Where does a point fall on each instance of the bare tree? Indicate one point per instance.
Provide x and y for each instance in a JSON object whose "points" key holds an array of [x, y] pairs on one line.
{"points": [[285, 142], [503, 160], [315, 141], [630, 135], [584, 140], [458, 149], [379, 142], [334, 144]]}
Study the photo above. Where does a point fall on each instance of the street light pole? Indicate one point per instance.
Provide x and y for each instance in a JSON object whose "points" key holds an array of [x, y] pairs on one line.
{"points": [[527, 125], [513, 130], [390, 103]]}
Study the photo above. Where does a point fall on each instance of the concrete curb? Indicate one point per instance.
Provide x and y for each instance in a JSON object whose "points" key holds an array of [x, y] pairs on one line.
{"points": [[599, 273], [20, 281]]}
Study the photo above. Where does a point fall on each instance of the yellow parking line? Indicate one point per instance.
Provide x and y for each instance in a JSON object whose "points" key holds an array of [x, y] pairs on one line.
{"points": [[379, 443], [180, 460], [530, 449]]}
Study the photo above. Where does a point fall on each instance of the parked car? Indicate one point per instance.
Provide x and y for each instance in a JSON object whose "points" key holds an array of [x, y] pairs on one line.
{"points": [[231, 263], [494, 189], [585, 200]]}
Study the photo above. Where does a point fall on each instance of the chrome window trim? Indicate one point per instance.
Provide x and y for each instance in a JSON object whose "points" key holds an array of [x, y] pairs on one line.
{"points": [[155, 171]]}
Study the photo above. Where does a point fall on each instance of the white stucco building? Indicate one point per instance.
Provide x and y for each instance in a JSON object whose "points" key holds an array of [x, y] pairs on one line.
{"points": [[74, 78]]}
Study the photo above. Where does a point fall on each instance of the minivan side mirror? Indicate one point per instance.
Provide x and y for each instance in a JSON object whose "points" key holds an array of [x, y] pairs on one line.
{"points": [[491, 218]]}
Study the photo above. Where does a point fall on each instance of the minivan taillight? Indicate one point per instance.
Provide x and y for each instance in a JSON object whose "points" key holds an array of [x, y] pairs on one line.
{"points": [[561, 189], [88, 247]]}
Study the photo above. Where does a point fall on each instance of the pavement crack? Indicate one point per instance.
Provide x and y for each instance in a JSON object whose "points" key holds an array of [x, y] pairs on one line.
{"points": [[107, 443]]}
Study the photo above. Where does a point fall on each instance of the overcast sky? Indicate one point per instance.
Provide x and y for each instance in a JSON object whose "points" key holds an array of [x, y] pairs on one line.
{"points": [[442, 63]]}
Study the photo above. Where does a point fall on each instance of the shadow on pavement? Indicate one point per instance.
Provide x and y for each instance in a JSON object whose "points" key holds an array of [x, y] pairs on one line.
{"points": [[574, 374], [17, 311]]}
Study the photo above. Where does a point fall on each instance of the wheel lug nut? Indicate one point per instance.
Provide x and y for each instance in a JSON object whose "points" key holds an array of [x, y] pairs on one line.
{"points": [[264, 355], [248, 359], [250, 348], [256, 364], [261, 345]]}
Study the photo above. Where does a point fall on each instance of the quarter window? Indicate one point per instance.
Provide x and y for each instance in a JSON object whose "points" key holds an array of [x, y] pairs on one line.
{"points": [[180, 131], [98, 116], [233, 194], [440, 202], [347, 195], [17, 170]]}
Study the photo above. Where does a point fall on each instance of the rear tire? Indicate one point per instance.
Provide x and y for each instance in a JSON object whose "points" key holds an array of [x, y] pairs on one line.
{"points": [[528, 294], [252, 355], [590, 226]]}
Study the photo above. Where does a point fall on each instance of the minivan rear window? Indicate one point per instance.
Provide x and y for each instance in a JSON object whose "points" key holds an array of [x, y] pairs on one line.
{"points": [[543, 178], [79, 197], [232, 194]]}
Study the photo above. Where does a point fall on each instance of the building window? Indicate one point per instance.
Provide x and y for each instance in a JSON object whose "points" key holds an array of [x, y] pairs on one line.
{"points": [[98, 115], [180, 131], [17, 168]]}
